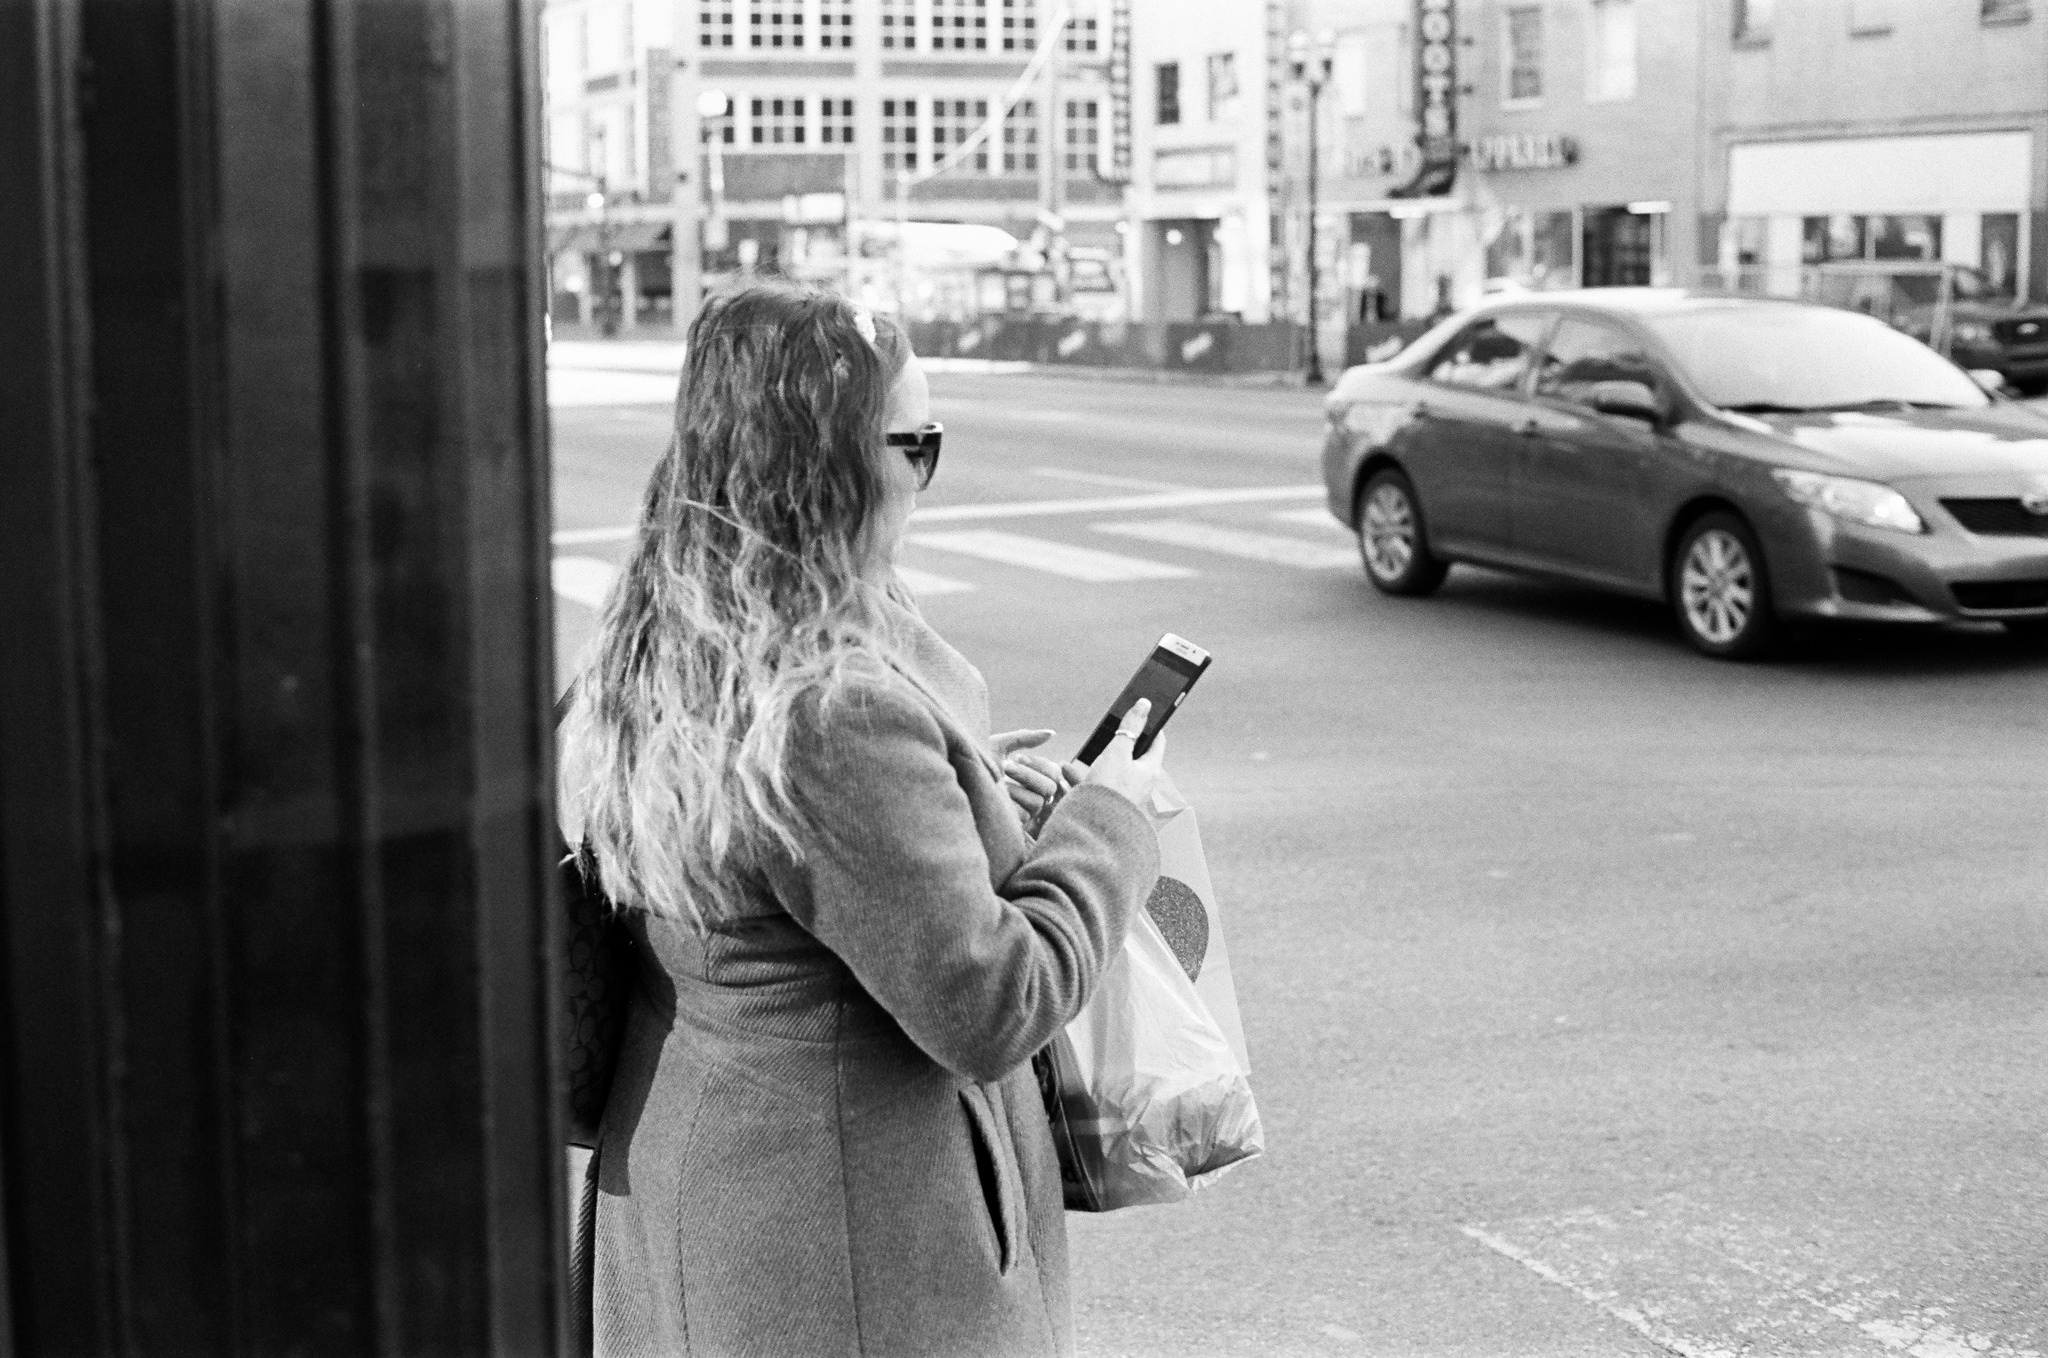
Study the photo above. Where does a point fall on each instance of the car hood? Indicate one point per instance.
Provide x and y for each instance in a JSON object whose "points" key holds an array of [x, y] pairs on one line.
{"points": [[1884, 446]]}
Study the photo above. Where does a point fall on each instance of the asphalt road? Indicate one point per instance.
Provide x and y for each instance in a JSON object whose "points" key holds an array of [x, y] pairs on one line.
{"points": [[1602, 999]]}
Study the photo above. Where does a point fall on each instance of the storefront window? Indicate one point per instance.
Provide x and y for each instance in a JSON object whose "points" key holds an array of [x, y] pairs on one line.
{"points": [[1836, 237], [1912, 237], [1533, 249], [1551, 263], [1999, 252]]}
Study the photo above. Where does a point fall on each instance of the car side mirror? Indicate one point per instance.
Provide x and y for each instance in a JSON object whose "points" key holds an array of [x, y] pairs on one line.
{"points": [[1991, 379], [1630, 400]]}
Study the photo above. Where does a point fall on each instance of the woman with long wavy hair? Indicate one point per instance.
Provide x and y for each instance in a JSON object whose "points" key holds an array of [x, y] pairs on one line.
{"points": [[824, 1135]]}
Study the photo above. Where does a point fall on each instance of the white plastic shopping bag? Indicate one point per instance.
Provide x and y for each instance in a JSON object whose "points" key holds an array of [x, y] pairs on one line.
{"points": [[1149, 1087]]}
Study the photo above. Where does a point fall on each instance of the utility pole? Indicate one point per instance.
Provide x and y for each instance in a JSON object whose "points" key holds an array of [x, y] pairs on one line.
{"points": [[1312, 63]]}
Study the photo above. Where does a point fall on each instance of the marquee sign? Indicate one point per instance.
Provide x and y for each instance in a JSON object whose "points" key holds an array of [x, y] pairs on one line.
{"points": [[1436, 83], [1525, 151]]}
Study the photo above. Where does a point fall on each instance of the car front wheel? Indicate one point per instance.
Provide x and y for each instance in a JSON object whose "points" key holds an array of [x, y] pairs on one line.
{"points": [[1721, 591], [1392, 539]]}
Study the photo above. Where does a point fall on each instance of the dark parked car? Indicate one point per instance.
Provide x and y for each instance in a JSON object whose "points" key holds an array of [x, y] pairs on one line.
{"points": [[1747, 460]]}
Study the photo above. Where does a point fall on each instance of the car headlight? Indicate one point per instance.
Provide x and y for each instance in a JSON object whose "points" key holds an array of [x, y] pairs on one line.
{"points": [[1845, 497], [1972, 332]]}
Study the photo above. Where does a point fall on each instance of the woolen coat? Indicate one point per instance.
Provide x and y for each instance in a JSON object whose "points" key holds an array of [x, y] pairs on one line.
{"points": [[824, 1136]]}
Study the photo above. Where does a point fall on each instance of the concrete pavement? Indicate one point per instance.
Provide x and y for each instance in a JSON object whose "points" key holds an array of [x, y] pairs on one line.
{"points": [[1602, 999]]}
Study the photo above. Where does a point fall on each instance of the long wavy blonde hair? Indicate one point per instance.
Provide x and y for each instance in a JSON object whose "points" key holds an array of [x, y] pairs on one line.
{"points": [[743, 598]]}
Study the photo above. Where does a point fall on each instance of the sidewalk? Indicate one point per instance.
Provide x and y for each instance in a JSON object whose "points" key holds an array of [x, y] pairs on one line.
{"points": [[665, 356]]}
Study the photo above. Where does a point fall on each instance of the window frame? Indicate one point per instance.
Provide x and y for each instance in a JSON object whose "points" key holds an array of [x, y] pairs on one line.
{"points": [[1509, 100], [1166, 93], [1594, 53]]}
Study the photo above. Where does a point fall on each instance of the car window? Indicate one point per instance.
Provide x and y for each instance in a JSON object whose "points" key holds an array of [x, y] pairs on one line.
{"points": [[1766, 356], [1492, 353], [1583, 354]]}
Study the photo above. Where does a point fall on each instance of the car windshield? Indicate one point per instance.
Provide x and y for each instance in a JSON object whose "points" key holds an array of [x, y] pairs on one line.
{"points": [[1794, 358]]}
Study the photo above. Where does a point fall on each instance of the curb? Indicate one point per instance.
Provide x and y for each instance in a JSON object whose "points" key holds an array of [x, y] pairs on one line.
{"points": [[666, 357]]}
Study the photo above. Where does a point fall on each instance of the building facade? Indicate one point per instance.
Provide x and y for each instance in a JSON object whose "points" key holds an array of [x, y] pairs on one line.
{"points": [[1207, 196], [607, 70], [843, 119], [1574, 122], [1877, 129]]}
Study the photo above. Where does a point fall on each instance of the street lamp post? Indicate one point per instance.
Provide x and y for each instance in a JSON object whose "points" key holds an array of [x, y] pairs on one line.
{"points": [[1312, 61], [607, 315]]}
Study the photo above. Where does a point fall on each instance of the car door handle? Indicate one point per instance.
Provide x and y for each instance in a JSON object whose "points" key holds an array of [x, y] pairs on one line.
{"points": [[1529, 429]]}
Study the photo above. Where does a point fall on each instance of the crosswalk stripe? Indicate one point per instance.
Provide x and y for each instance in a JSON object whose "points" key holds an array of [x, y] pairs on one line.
{"points": [[584, 579], [1314, 518], [1209, 537], [1055, 558], [1117, 504], [924, 582]]}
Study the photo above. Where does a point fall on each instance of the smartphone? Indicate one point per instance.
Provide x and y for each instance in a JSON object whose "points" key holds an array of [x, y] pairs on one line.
{"points": [[1165, 677]]}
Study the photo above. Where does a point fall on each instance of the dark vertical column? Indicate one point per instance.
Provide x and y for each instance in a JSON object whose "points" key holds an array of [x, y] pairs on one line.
{"points": [[274, 775]]}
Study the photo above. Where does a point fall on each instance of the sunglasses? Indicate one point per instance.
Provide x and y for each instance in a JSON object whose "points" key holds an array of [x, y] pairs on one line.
{"points": [[922, 448]]}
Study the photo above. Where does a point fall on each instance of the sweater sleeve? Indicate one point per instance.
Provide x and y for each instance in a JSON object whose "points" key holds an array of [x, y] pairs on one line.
{"points": [[894, 879]]}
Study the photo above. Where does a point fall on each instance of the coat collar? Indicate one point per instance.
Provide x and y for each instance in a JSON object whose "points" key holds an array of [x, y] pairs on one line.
{"points": [[945, 677]]}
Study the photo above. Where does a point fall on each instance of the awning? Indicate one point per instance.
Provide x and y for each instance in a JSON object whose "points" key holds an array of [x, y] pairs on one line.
{"points": [[588, 238]]}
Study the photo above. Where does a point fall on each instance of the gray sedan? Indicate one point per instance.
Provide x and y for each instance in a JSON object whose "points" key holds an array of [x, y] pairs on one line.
{"points": [[1749, 461]]}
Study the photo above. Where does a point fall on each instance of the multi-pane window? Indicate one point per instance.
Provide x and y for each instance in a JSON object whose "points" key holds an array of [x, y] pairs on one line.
{"points": [[1020, 138], [1081, 35], [1020, 25], [953, 122], [775, 23], [835, 23], [777, 122], [1082, 136], [1222, 84], [959, 25], [899, 134], [714, 23], [835, 122], [1522, 73], [1166, 92], [2005, 11], [1753, 20], [1611, 70], [899, 25]]}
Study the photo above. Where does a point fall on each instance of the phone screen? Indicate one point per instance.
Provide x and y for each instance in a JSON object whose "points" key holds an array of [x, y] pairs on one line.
{"points": [[1165, 678]]}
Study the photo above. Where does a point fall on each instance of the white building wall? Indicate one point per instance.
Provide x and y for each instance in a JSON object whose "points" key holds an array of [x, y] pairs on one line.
{"points": [[1189, 33]]}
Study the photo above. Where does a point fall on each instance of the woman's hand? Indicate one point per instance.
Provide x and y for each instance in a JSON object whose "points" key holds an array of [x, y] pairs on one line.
{"points": [[1133, 779], [1033, 781]]}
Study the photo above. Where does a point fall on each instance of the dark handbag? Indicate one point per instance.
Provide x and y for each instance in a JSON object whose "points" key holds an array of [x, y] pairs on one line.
{"points": [[598, 965], [597, 984]]}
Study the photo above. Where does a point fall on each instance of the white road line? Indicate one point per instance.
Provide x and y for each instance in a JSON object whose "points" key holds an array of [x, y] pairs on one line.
{"points": [[1209, 537], [924, 582], [1024, 509], [584, 537], [1055, 558], [584, 579], [1116, 504], [1098, 479], [1314, 518], [1707, 1285]]}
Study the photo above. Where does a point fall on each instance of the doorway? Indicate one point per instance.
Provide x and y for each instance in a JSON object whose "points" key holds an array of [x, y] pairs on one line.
{"points": [[1621, 249], [1186, 270]]}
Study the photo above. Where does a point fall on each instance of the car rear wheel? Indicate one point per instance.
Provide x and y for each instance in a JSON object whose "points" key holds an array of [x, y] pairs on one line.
{"points": [[1721, 590], [1392, 539]]}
